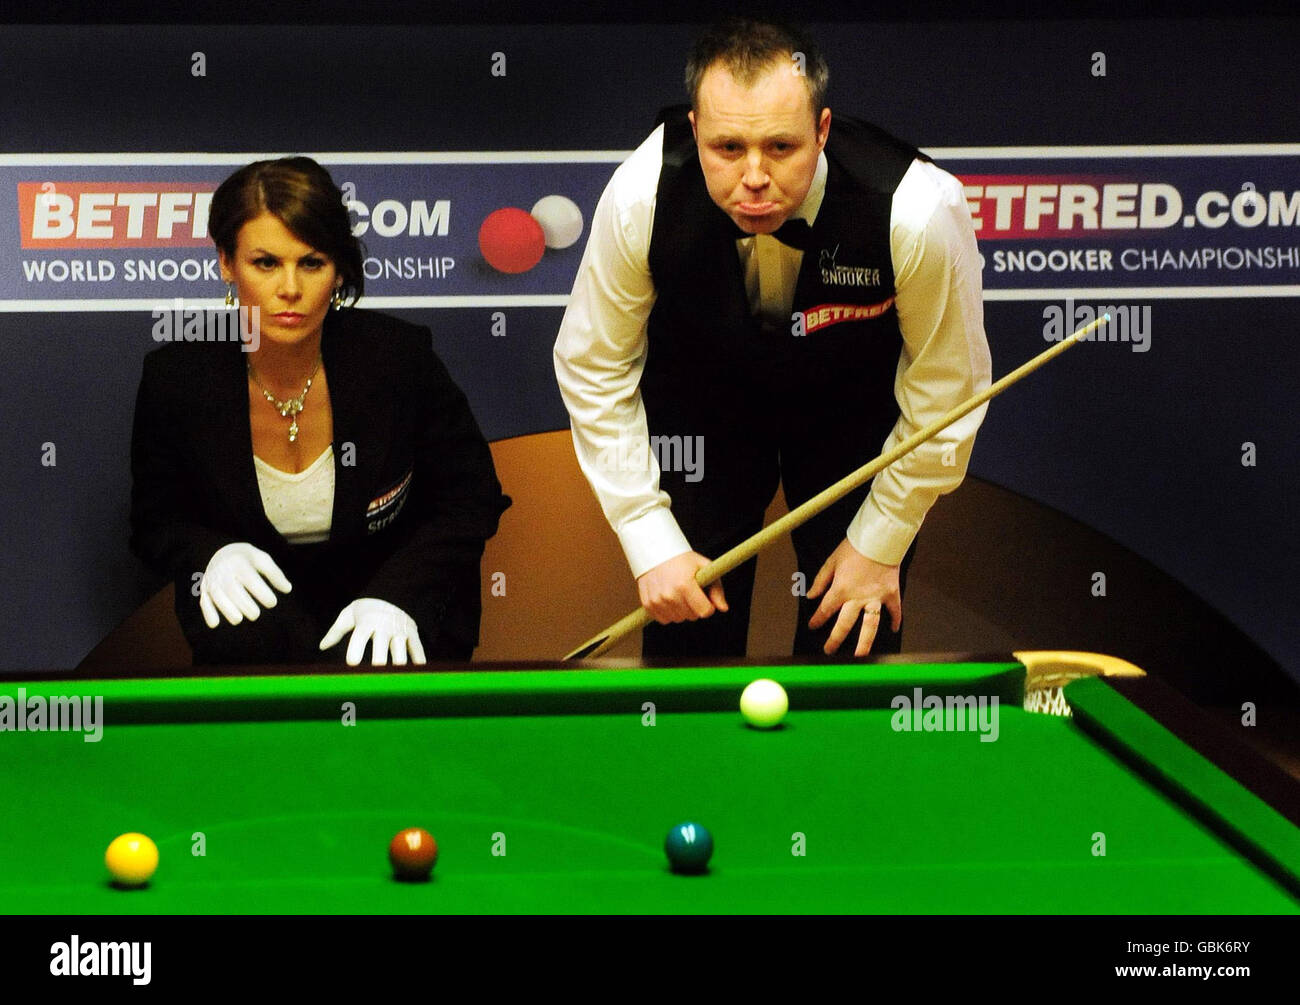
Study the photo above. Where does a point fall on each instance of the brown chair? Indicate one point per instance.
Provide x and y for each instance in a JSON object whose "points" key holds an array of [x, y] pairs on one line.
{"points": [[149, 639]]}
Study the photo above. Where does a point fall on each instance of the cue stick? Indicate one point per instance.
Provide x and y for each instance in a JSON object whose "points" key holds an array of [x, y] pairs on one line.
{"points": [[750, 547]]}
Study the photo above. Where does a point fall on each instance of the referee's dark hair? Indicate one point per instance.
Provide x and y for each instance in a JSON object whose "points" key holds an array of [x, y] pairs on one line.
{"points": [[747, 49], [304, 197]]}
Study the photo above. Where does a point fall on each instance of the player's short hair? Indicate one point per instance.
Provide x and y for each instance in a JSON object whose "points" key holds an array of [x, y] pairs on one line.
{"points": [[747, 49], [303, 196]]}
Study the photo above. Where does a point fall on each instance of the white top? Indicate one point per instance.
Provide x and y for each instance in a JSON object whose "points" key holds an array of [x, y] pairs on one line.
{"points": [[601, 349], [300, 505]]}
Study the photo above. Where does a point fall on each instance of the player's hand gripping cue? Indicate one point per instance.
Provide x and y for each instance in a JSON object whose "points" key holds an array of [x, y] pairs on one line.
{"points": [[669, 592]]}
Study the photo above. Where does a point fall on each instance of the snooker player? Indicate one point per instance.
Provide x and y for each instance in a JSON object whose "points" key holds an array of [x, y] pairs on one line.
{"points": [[796, 293]]}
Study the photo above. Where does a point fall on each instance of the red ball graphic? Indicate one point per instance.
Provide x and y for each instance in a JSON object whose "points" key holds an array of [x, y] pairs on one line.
{"points": [[511, 240]]}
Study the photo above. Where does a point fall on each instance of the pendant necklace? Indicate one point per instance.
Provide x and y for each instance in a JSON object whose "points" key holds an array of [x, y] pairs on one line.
{"points": [[290, 407]]}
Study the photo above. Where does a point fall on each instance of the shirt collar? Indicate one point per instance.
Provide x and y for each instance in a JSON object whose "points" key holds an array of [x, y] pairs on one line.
{"points": [[812, 202]]}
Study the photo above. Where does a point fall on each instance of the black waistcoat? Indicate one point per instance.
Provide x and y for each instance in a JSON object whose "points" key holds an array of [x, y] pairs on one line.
{"points": [[711, 365]]}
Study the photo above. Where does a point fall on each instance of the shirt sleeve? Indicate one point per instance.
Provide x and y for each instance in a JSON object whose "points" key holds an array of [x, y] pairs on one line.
{"points": [[945, 358], [599, 358]]}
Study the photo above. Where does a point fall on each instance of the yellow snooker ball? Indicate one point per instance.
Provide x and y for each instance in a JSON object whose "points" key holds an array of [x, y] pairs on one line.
{"points": [[131, 859]]}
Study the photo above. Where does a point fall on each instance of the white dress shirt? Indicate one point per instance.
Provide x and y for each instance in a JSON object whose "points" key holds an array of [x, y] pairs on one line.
{"points": [[601, 349]]}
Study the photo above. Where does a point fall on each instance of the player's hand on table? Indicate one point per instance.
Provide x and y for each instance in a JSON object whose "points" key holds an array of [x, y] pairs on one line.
{"points": [[233, 584], [854, 583], [392, 630], [670, 594]]}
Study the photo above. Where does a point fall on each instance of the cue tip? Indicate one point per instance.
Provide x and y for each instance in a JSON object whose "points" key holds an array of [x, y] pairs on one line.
{"points": [[587, 648]]}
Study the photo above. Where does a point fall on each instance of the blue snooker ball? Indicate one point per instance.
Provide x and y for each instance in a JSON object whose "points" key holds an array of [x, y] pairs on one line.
{"points": [[689, 847]]}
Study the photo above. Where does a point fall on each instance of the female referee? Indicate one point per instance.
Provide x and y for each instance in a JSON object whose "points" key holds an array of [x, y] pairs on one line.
{"points": [[323, 481]]}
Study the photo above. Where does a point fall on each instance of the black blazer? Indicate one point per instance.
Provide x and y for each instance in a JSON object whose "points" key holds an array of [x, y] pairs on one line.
{"points": [[411, 511]]}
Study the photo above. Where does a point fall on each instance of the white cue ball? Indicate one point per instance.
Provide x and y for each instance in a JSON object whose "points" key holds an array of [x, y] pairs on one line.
{"points": [[561, 220], [764, 703]]}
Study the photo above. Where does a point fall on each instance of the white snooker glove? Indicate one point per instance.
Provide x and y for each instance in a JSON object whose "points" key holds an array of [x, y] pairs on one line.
{"points": [[233, 585], [391, 628]]}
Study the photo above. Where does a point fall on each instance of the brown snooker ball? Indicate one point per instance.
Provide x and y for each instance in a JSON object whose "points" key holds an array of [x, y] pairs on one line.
{"points": [[412, 853]]}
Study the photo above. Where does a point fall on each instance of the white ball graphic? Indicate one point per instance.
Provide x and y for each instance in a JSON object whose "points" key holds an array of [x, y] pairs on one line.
{"points": [[561, 220]]}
